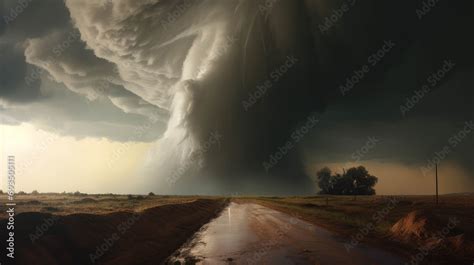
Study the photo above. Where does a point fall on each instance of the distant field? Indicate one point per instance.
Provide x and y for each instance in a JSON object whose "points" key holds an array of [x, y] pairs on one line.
{"points": [[64, 204], [371, 219]]}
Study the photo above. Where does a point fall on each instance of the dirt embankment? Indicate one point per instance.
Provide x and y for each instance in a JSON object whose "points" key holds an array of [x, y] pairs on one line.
{"points": [[146, 237]]}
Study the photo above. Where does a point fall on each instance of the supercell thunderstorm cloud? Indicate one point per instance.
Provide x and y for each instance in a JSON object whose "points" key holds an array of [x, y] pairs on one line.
{"points": [[205, 63], [227, 89]]}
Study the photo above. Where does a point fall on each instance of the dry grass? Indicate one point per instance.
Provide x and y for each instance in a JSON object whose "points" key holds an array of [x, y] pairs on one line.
{"points": [[347, 216], [65, 204]]}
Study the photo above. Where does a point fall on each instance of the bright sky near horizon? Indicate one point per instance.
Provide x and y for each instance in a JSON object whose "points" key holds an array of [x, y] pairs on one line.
{"points": [[48, 162]]}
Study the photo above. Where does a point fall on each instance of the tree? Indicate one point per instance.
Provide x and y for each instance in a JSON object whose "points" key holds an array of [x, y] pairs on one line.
{"points": [[151, 194], [363, 181], [324, 177], [35, 192], [356, 181]]}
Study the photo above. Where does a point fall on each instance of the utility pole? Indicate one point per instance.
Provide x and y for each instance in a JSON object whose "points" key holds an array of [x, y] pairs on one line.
{"points": [[355, 190], [436, 167]]}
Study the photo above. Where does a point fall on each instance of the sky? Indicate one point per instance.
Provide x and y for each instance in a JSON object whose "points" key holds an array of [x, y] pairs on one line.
{"points": [[235, 96], [49, 162]]}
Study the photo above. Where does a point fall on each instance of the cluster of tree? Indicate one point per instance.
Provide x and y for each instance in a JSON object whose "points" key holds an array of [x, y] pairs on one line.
{"points": [[355, 181]]}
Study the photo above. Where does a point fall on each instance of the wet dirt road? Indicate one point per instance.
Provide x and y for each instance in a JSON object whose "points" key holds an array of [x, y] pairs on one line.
{"points": [[254, 234]]}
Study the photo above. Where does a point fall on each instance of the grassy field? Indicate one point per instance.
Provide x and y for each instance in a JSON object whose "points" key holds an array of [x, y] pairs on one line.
{"points": [[372, 219], [64, 204]]}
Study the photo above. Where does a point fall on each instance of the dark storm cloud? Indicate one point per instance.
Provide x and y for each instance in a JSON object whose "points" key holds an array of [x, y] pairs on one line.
{"points": [[65, 57], [69, 114], [409, 138], [376, 106], [33, 52], [13, 70], [33, 18], [185, 48], [418, 49], [2, 21], [254, 72], [22, 19]]}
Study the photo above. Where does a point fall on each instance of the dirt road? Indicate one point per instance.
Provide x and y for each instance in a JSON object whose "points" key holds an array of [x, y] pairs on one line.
{"points": [[253, 234]]}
